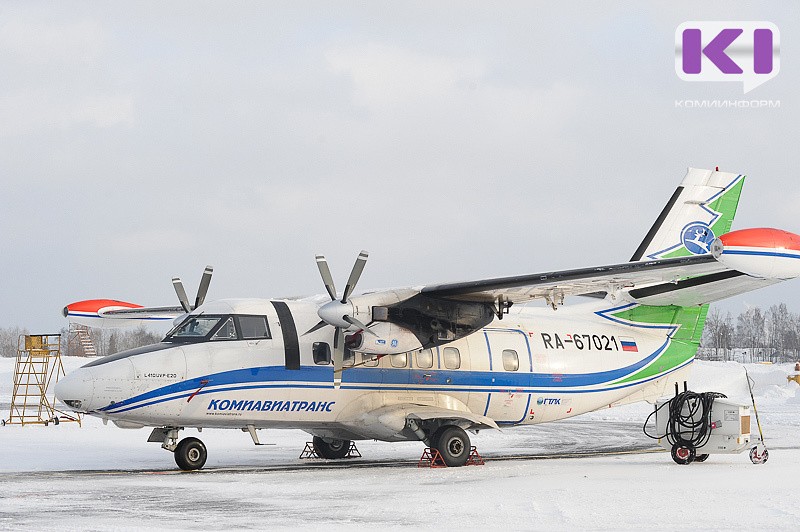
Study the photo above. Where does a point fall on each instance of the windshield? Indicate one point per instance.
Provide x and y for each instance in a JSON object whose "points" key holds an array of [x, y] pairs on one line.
{"points": [[194, 328]]}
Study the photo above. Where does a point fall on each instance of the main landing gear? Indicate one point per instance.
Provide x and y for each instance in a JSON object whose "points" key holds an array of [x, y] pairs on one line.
{"points": [[452, 443]]}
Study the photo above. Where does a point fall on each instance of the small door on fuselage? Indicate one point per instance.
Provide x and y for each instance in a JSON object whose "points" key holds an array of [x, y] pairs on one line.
{"points": [[510, 368]]}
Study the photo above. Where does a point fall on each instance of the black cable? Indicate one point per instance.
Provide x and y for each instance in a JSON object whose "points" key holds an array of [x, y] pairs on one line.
{"points": [[689, 421]]}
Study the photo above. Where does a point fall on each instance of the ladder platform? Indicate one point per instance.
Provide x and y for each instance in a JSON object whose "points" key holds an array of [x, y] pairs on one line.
{"points": [[38, 365]]}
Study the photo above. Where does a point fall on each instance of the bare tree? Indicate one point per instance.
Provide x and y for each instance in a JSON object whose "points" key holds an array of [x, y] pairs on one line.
{"points": [[751, 331], [9, 340]]}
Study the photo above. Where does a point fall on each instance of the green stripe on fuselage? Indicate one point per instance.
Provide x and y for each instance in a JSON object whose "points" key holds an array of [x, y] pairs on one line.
{"points": [[682, 344]]}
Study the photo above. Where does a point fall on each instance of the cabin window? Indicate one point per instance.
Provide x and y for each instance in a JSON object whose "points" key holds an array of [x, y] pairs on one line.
{"points": [[253, 327], [399, 361], [226, 332], [370, 361], [425, 359], [322, 353], [452, 358], [510, 360]]}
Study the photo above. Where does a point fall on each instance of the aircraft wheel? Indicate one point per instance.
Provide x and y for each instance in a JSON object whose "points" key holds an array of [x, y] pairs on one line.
{"points": [[190, 454], [683, 454], [453, 444], [331, 449], [701, 457]]}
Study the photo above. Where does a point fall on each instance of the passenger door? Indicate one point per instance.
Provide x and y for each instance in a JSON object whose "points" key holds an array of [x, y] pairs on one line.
{"points": [[511, 368]]}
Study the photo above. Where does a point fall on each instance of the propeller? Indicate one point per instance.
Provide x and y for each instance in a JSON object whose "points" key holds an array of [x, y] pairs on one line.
{"points": [[337, 312], [202, 290]]}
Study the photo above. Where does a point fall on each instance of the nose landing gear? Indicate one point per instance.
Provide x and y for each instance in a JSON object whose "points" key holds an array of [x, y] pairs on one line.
{"points": [[190, 454]]}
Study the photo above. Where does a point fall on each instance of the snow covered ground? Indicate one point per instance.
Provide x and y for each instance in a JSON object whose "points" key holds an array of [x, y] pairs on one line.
{"points": [[99, 477]]}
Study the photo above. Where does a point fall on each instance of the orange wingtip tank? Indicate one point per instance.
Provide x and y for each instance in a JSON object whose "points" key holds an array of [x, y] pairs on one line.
{"points": [[761, 252], [762, 237], [92, 308]]}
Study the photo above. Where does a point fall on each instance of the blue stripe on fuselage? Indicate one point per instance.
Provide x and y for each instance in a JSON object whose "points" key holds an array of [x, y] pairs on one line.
{"points": [[263, 376]]}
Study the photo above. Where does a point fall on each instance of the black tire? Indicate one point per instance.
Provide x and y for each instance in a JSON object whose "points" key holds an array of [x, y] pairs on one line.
{"points": [[453, 444], [683, 454], [701, 457], [190, 454], [331, 449]]}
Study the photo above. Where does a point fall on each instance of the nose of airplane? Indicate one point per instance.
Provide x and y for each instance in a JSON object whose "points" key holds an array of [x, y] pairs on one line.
{"points": [[76, 390]]}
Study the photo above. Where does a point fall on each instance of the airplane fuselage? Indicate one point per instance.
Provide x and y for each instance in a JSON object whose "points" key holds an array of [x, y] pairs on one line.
{"points": [[533, 366]]}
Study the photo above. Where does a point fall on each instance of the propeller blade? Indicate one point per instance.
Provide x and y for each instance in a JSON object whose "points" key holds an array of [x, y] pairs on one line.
{"points": [[327, 278], [338, 357], [182, 297], [353, 321], [355, 274], [203, 290], [316, 327]]}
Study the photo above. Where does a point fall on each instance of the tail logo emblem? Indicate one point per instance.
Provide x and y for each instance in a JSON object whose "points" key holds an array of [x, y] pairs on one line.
{"points": [[697, 238]]}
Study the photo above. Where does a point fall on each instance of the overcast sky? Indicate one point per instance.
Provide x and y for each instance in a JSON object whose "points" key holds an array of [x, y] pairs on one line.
{"points": [[452, 140]]}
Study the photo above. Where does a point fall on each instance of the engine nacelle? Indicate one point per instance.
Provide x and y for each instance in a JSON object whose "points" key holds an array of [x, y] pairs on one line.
{"points": [[763, 252], [391, 340]]}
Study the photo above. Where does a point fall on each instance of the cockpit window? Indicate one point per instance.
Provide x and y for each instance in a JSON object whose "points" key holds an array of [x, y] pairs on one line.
{"points": [[226, 332], [253, 327], [203, 328], [194, 328]]}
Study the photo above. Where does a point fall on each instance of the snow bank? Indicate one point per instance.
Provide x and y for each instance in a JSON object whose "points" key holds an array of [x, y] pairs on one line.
{"points": [[40, 489]]}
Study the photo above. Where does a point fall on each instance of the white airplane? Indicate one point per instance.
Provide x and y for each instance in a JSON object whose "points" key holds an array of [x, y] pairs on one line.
{"points": [[432, 362]]}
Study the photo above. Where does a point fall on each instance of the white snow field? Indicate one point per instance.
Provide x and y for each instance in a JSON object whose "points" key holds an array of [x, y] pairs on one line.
{"points": [[99, 477]]}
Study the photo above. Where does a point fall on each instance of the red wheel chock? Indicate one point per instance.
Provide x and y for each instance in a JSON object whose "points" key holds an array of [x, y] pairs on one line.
{"points": [[432, 458], [474, 457]]}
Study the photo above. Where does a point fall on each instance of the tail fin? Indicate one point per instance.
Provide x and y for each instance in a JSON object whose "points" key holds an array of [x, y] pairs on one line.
{"points": [[701, 209]]}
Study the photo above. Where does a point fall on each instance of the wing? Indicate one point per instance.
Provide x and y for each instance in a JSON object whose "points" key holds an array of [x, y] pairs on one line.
{"points": [[554, 286], [102, 313], [739, 261], [404, 320], [113, 313]]}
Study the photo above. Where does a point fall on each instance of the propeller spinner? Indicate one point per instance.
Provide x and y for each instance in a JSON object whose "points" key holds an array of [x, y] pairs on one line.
{"points": [[338, 312]]}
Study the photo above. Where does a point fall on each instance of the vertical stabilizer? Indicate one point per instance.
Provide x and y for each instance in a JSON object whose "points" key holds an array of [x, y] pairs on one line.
{"points": [[701, 209]]}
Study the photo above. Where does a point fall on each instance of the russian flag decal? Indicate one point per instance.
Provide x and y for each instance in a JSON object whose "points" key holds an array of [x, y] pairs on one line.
{"points": [[628, 344]]}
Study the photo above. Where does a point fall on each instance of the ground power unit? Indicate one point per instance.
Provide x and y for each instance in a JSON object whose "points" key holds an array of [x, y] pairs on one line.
{"points": [[693, 426]]}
